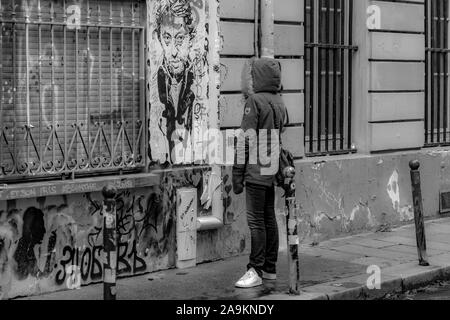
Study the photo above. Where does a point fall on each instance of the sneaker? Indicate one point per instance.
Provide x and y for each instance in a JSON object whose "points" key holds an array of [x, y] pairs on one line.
{"points": [[250, 280], [269, 276]]}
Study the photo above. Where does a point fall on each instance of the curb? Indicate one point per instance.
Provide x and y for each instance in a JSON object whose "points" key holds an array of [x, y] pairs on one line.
{"points": [[352, 289]]}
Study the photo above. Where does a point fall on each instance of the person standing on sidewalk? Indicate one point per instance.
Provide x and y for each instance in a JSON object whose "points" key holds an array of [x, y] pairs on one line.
{"points": [[261, 86]]}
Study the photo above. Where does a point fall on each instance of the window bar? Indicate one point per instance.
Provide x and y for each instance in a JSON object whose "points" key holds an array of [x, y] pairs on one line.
{"points": [[335, 70], [438, 65], [143, 108], [133, 155], [320, 102], [445, 54], [75, 136], [316, 68], [444, 71], [342, 86], [327, 73], [27, 126], [113, 154], [53, 128], [122, 106], [433, 66], [1, 88], [427, 86], [350, 72], [100, 83], [14, 84], [65, 156], [311, 76], [88, 88], [257, 5], [346, 88], [311, 70], [41, 153]]}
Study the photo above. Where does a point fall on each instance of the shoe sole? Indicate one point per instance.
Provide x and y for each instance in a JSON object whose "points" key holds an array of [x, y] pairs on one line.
{"points": [[249, 287]]}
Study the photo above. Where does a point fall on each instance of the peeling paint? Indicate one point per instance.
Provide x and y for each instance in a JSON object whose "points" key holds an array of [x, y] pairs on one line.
{"points": [[394, 191], [406, 213]]}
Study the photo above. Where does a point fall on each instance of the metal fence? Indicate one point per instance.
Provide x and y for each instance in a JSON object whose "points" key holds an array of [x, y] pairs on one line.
{"points": [[72, 87], [328, 77], [437, 122]]}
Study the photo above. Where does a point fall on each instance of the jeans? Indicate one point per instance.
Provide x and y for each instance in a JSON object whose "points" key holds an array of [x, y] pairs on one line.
{"points": [[263, 226]]}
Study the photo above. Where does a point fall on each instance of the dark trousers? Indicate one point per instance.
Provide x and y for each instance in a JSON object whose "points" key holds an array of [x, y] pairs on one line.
{"points": [[263, 228]]}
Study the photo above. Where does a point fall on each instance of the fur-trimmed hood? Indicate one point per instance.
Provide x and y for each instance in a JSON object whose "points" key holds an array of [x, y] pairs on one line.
{"points": [[261, 75]]}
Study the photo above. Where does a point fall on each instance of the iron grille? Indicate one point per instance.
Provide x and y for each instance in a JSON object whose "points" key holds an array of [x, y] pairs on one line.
{"points": [[436, 76], [328, 81], [72, 87]]}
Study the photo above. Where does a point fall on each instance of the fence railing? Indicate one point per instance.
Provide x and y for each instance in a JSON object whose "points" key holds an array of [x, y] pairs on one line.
{"points": [[328, 80], [72, 84]]}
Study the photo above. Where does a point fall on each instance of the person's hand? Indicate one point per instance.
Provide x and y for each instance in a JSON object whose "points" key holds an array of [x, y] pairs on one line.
{"points": [[238, 188], [238, 185]]}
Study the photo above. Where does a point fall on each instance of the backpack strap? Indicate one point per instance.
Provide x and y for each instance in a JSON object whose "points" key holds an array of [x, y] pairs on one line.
{"points": [[275, 118]]}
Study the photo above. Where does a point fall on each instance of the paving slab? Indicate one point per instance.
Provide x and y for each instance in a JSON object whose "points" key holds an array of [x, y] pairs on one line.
{"points": [[433, 228], [330, 253], [370, 261], [412, 250], [381, 253], [370, 243], [439, 237], [442, 260], [395, 239]]}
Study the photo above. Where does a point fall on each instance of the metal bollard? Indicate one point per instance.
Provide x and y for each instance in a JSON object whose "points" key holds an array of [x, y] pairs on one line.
{"points": [[418, 213], [292, 231], [109, 243]]}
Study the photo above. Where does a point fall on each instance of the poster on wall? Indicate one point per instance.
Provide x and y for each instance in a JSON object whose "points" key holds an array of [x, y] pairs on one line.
{"points": [[178, 80]]}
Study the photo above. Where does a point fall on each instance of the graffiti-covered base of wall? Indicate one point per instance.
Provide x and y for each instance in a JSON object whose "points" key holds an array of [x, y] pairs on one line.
{"points": [[55, 243], [360, 194]]}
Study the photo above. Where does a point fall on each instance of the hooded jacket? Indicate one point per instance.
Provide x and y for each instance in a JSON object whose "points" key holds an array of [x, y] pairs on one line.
{"points": [[261, 86]]}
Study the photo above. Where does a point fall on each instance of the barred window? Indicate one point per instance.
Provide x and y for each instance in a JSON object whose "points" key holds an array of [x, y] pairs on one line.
{"points": [[72, 87], [328, 81], [437, 122]]}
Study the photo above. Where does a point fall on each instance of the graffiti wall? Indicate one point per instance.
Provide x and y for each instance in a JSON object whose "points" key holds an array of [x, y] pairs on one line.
{"points": [[178, 79], [55, 243]]}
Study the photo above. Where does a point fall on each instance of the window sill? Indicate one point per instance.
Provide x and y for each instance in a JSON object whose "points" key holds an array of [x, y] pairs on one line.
{"points": [[64, 187]]}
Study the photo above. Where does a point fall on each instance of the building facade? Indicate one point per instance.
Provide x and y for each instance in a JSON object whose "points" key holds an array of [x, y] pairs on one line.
{"points": [[146, 96]]}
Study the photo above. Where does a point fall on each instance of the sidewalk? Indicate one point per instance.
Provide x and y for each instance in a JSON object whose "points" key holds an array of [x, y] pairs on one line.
{"points": [[335, 269]]}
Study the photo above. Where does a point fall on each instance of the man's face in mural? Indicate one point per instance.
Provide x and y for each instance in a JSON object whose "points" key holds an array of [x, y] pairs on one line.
{"points": [[175, 41]]}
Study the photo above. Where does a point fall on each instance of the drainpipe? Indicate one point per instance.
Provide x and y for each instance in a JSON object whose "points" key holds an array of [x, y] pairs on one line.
{"points": [[267, 29], [215, 221]]}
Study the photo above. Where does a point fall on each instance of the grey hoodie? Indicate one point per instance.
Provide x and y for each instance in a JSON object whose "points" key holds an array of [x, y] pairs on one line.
{"points": [[261, 85]]}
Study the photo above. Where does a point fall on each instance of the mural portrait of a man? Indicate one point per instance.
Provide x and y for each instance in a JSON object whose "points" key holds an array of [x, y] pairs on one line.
{"points": [[175, 30]]}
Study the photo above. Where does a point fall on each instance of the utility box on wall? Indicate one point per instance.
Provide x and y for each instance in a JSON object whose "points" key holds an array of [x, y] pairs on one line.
{"points": [[186, 228]]}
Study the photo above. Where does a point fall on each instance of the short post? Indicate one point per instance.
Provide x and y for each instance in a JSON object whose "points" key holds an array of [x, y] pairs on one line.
{"points": [[292, 231], [418, 213], [109, 243]]}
